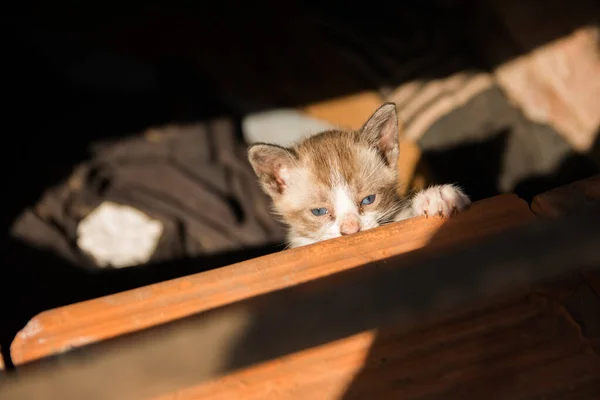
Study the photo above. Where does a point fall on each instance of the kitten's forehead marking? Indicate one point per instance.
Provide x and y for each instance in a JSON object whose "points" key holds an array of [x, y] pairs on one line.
{"points": [[343, 203], [328, 152]]}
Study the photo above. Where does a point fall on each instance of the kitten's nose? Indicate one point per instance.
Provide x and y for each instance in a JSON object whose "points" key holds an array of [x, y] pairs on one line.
{"points": [[349, 227]]}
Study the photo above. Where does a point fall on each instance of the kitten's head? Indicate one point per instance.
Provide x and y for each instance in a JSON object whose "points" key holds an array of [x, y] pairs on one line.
{"points": [[333, 183]]}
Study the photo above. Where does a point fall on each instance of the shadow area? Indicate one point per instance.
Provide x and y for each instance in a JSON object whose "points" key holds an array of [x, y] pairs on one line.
{"points": [[57, 282], [525, 343], [495, 165], [467, 326], [506, 153], [78, 74], [515, 345]]}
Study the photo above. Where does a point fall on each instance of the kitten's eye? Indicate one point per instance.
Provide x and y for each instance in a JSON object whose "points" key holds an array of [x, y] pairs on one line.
{"points": [[319, 211], [368, 200]]}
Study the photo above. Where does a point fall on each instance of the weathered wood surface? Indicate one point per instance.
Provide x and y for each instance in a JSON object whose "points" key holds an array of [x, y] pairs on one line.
{"points": [[567, 199], [386, 294], [63, 328], [509, 346]]}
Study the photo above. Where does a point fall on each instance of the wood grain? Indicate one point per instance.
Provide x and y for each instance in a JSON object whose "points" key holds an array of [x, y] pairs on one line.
{"points": [[508, 346], [548, 356], [58, 330], [480, 350], [567, 199]]}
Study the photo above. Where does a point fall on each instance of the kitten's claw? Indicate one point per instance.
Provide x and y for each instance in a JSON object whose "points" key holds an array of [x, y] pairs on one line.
{"points": [[444, 200]]}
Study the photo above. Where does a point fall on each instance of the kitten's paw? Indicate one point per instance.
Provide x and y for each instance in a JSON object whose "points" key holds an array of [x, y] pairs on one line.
{"points": [[443, 200]]}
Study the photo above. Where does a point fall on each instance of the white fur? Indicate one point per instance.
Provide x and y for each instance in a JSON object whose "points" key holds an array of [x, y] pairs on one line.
{"points": [[441, 200], [298, 241], [345, 207], [299, 186], [284, 173], [369, 221]]}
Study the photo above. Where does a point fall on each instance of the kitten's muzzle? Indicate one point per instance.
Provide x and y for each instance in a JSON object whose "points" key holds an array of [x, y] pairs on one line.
{"points": [[349, 227]]}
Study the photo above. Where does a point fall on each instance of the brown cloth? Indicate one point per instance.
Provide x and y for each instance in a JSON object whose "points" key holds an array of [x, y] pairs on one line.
{"points": [[195, 179]]}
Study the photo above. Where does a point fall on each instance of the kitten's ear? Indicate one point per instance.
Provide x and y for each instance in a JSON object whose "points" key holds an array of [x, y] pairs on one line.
{"points": [[272, 165], [382, 131]]}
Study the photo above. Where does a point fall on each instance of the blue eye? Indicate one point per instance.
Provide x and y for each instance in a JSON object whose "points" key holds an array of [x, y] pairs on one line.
{"points": [[319, 211], [368, 200]]}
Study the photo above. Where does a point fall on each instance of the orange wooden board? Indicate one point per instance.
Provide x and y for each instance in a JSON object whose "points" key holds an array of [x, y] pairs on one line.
{"points": [[509, 348], [349, 112], [60, 329]]}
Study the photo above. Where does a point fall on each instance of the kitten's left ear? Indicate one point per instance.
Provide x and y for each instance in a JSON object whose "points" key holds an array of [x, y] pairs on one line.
{"points": [[382, 131], [272, 165]]}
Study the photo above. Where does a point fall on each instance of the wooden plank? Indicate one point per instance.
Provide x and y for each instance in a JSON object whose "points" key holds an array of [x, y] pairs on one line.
{"points": [[392, 364], [519, 342], [567, 199], [396, 292], [75, 325]]}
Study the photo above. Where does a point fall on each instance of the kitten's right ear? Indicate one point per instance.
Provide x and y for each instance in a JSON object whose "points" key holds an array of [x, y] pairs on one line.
{"points": [[382, 131], [272, 165]]}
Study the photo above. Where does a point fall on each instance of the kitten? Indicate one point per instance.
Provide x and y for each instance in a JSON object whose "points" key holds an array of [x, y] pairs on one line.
{"points": [[341, 182]]}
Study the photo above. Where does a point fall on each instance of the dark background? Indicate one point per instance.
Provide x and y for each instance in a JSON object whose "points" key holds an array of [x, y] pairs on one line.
{"points": [[78, 72]]}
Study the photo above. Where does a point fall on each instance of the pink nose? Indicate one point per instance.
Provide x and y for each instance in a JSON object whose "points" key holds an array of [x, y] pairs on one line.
{"points": [[349, 227]]}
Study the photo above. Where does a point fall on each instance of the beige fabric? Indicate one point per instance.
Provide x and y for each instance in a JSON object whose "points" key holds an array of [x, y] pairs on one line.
{"points": [[421, 104], [559, 84]]}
